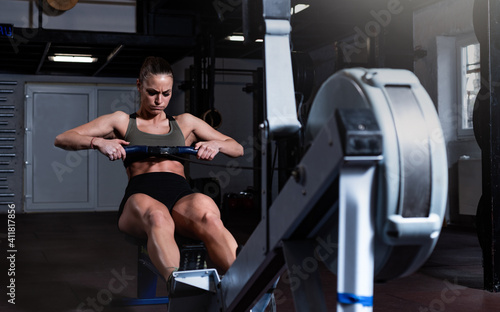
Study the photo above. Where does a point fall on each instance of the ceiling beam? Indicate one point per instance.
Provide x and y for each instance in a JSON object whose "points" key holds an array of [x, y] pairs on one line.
{"points": [[109, 58], [25, 35], [44, 55]]}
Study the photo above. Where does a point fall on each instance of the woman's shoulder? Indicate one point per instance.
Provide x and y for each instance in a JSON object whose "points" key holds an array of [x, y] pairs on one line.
{"points": [[114, 118], [120, 116], [119, 121], [183, 116], [187, 123], [186, 118]]}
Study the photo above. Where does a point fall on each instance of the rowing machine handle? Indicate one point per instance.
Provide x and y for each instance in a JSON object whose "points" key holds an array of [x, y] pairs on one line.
{"points": [[187, 150], [155, 150], [136, 149]]}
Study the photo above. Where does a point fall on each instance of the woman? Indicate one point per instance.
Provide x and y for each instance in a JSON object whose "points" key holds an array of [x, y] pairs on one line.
{"points": [[158, 200]]}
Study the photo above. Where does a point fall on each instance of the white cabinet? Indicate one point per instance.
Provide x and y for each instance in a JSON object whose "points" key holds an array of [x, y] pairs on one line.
{"points": [[59, 180]]}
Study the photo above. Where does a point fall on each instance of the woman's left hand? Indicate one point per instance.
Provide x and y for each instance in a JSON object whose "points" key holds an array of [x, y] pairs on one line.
{"points": [[207, 150]]}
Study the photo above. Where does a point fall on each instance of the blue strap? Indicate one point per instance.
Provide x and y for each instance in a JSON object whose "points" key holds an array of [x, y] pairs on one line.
{"points": [[346, 298], [136, 149], [187, 150]]}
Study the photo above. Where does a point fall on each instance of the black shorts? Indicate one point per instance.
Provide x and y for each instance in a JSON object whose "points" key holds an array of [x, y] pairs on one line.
{"points": [[165, 187]]}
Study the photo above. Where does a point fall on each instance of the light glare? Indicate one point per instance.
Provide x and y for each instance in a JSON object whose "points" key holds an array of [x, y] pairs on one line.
{"points": [[299, 8], [69, 58]]}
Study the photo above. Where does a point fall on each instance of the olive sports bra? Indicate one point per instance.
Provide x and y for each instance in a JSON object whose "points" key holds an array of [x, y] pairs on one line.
{"points": [[136, 137]]}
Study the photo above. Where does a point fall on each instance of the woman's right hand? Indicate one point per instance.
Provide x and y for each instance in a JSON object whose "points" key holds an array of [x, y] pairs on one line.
{"points": [[113, 148]]}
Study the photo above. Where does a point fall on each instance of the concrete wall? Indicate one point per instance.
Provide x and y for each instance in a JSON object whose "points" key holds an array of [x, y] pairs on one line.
{"points": [[436, 28]]}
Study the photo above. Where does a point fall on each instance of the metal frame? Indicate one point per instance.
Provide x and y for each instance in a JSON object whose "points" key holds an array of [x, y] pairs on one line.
{"points": [[494, 149], [373, 208], [281, 114], [147, 280], [487, 132], [261, 260], [356, 259]]}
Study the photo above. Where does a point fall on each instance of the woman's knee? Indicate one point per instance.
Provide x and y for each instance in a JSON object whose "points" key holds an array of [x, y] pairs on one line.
{"points": [[205, 204], [159, 218], [197, 214], [211, 222], [145, 212]]}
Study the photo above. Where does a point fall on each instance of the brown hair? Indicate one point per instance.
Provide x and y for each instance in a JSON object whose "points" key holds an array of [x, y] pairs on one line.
{"points": [[154, 65]]}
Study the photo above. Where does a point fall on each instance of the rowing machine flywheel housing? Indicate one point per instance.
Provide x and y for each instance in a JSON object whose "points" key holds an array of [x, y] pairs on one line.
{"points": [[413, 175]]}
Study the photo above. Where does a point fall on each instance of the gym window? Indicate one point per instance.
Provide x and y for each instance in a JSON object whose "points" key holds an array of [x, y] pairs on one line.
{"points": [[469, 81]]}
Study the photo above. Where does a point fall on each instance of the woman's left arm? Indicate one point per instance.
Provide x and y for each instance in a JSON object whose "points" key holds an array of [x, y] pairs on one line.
{"points": [[209, 142]]}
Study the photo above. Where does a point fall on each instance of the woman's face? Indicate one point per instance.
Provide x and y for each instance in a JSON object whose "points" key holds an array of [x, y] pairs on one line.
{"points": [[155, 92]]}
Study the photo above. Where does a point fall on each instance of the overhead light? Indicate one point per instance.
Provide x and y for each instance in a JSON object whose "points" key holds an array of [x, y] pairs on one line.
{"points": [[239, 38], [72, 58], [298, 8], [235, 38]]}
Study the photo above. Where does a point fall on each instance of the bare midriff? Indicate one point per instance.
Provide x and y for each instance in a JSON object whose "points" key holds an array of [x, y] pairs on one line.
{"points": [[155, 165]]}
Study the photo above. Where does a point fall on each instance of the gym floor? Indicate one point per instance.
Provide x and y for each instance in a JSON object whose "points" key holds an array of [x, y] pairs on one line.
{"points": [[72, 261]]}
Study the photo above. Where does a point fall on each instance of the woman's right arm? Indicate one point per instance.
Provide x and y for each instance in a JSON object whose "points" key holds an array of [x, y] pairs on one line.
{"points": [[99, 133]]}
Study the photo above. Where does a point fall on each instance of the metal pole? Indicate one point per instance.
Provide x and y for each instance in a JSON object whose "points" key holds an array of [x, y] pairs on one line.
{"points": [[494, 87], [487, 132]]}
